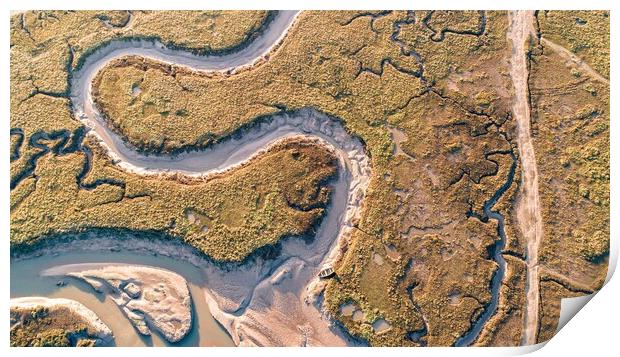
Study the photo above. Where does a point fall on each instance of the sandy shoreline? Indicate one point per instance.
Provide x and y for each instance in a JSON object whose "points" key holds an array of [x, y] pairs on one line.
{"points": [[226, 305], [100, 330], [160, 296]]}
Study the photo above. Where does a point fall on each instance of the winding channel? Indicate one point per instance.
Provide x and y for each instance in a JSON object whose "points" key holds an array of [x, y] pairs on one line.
{"points": [[470, 337], [265, 301]]}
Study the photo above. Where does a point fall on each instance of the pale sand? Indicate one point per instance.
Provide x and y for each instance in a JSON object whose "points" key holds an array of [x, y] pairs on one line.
{"points": [[160, 296], [230, 290], [100, 330]]}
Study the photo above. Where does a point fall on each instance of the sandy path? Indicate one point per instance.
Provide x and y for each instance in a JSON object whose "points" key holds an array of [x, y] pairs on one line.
{"points": [[569, 56], [528, 208], [575, 283]]}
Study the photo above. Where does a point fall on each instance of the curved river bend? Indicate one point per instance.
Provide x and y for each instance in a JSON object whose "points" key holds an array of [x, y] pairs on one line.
{"points": [[265, 301]]}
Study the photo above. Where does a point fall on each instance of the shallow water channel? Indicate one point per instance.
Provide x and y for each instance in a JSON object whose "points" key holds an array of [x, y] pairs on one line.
{"points": [[249, 300], [27, 281]]}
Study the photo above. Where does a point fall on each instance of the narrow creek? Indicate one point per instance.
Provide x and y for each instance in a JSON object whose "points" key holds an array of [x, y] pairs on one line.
{"points": [[496, 283]]}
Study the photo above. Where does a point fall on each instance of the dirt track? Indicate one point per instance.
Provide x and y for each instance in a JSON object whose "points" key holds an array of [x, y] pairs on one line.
{"points": [[528, 208], [569, 56]]}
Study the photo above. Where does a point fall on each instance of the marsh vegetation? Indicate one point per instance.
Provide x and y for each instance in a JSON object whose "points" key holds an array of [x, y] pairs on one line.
{"points": [[419, 264]]}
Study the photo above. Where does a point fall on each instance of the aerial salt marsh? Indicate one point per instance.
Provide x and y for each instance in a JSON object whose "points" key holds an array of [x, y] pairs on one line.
{"points": [[286, 156]]}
